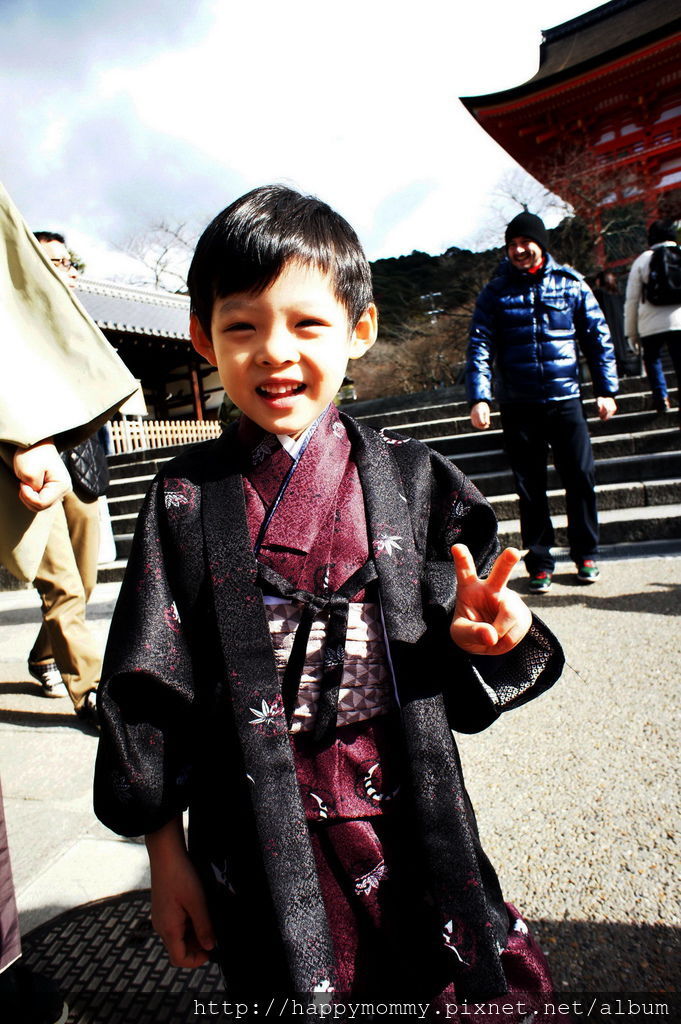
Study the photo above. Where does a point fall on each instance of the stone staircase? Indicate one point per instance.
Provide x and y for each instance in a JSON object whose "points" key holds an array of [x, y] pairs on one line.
{"points": [[637, 454], [638, 465]]}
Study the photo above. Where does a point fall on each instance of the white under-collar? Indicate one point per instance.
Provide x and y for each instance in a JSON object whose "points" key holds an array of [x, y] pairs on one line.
{"points": [[294, 444], [296, 447]]}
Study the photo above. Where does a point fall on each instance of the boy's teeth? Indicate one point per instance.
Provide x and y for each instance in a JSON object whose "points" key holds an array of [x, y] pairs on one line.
{"points": [[278, 389]]}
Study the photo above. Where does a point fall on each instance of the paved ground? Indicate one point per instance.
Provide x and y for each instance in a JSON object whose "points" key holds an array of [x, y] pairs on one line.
{"points": [[61, 855], [577, 793]]}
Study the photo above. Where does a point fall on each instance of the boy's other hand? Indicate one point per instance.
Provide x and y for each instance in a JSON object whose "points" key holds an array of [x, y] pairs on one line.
{"points": [[179, 913], [488, 617]]}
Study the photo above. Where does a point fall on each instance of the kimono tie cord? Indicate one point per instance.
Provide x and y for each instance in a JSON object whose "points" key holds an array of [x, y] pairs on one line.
{"points": [[337, 604]]}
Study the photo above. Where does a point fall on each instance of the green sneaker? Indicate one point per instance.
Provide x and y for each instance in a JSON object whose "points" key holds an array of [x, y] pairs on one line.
{"points": [[588, 571], [540, 582]]}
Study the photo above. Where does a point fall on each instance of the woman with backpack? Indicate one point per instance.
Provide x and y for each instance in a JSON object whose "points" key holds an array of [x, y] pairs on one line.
{"points": [[652, 311]]}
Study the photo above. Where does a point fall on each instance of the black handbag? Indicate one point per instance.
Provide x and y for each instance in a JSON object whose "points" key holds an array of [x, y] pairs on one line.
{"points": [[88, 469]]}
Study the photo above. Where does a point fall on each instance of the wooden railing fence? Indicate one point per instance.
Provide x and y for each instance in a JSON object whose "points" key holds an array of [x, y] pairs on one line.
{"points": [[137, 435]]}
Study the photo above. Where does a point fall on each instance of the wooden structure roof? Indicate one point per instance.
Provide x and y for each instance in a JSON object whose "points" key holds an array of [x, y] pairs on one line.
{"points": [[134, 310], [609, 32], [606, 98], [150, 331]]}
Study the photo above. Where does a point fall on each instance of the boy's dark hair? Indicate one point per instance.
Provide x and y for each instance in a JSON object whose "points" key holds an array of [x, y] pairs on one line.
{"points": [[49, 236], [661, 231], [245, 248]]}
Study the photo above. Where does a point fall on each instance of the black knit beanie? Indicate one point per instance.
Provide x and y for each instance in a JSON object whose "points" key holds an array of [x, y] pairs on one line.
{"points": [[528, 225]]}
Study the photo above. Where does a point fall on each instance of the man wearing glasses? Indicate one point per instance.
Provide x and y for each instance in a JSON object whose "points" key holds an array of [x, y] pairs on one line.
{"points": [[55, 249]]}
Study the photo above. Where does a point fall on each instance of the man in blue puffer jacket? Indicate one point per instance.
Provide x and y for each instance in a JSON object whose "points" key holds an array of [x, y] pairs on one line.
{"points": [[528, 323]]}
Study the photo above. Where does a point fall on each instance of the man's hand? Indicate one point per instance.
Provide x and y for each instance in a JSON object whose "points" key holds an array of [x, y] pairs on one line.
{"points": [[179, 913], [480, 415], [488, 617], [44, 478], [606, 406]]}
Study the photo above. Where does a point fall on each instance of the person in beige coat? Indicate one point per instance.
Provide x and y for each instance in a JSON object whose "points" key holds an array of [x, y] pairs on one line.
{"points": [[65, 659], [60, 381]]}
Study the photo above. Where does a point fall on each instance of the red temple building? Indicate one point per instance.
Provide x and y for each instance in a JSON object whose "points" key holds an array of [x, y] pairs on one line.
{"points": [[600, 122]]}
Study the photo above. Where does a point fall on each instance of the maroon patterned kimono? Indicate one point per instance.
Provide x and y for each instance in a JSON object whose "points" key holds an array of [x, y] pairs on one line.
{"points": [[10, 945], [316, 879]]}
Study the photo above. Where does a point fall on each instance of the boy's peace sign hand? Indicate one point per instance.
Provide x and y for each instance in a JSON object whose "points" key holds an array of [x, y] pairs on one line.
{"points": [[488, 617]]}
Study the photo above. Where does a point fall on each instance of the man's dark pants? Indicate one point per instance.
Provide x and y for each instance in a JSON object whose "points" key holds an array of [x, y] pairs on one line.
{"points": [[530, 428]]}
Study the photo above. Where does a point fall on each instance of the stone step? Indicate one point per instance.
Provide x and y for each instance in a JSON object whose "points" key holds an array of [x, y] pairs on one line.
{"points": [[631, 471], [610, 496], [142, 454], [457, 421], [624, 494], [424, 405], [659, 465], [617, 526], [123, 545], [620, 459], [626, 421], [124, 522], [380, 408], [621, 495], [402, 403], [434, 420], [128, 471], [120, 489], [112, 572], [125, 503], [604, 445]]}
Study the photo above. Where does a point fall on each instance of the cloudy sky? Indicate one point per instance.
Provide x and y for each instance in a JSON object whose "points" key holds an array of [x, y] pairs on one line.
{"points": [[116, 115]]}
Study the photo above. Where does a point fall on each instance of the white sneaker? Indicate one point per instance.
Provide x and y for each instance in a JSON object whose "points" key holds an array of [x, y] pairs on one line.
{"points": [[49, 677]]}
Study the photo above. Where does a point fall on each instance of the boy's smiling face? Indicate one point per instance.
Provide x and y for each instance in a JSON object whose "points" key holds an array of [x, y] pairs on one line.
{"points": [[282, 353]]}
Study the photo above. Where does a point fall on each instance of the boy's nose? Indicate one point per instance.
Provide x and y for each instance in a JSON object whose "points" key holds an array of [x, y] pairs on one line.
{"points": [[277, 349]]}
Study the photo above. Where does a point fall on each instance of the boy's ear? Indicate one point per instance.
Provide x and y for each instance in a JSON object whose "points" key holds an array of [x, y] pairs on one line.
{"points": [[364, 334], [200, 340]]}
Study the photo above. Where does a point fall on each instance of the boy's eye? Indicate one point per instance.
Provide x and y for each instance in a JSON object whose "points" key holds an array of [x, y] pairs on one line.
{"points": [[310, 322], [240, 326]]}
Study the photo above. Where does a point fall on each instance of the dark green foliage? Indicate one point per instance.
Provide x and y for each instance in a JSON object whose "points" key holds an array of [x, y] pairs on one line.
{"points": [[572, 243], [77, 261], [425, 305], [415, 290]]}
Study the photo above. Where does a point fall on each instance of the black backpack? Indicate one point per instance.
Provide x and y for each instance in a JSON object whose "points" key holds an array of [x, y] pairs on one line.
{"points": [[663, 287]]}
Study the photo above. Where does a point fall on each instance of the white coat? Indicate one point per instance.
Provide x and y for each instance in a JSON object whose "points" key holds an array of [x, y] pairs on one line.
{"points": [[642, 319]]}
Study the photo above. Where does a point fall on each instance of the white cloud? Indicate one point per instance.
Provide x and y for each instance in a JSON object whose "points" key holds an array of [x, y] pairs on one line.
{"points": [[134, 114]]}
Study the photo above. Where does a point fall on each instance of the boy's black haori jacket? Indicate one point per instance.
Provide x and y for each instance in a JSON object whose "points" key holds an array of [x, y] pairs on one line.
{"points": [[189, 657]]}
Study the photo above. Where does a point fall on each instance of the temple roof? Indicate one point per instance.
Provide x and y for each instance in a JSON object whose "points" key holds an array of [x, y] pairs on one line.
{"points": [[133, 310], [607, 33]]}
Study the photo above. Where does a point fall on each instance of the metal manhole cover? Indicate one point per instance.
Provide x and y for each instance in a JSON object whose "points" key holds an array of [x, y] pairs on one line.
{"points": [[113, 969]]}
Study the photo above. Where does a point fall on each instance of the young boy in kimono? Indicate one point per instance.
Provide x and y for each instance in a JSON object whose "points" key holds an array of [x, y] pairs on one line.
{"points": [[303, 622]]}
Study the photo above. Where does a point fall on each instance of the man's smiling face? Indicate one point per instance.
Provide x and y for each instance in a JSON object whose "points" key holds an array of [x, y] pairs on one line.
{"points": [[524, 254]]}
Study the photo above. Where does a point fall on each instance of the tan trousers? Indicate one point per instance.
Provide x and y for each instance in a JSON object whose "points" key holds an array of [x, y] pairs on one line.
{"points": [[66, 577]]}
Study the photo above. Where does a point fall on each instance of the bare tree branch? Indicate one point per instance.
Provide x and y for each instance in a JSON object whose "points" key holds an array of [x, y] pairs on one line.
{"points": [[164, 252]]}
